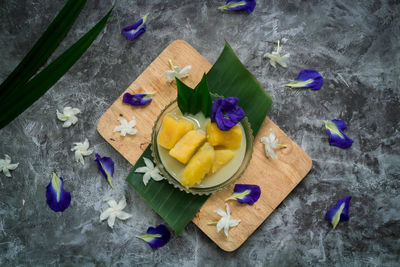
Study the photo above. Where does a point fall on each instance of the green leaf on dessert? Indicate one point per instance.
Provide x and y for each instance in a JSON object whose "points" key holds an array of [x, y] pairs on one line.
{"points": [[194, 100], [176, 207], [227, 77], [22, 97]]}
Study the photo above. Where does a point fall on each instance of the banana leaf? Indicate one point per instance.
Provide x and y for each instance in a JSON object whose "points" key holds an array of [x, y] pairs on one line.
{"points": [[26, 95], [227, 77]]}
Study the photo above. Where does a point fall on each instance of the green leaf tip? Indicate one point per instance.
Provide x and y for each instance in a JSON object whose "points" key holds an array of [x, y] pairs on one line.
{"points": [[194, 100]]}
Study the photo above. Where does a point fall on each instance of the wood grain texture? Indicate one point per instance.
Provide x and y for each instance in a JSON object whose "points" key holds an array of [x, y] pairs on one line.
{"points": [[276, 177]]}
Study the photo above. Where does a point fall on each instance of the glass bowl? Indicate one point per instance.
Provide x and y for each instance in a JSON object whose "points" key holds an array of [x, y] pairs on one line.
{"points": [[200, 190]]}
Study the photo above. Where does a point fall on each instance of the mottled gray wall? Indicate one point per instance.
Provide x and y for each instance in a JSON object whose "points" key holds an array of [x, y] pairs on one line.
{"points": [[354, 44]]}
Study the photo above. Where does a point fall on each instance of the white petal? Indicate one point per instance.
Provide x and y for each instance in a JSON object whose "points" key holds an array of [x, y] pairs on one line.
{"points": [[123, 131], [73, 119], [123, 121], [67, 124], [6, 172], [111, 220], [131, 131], [226, 229], [78, 157], [233, 223], [112, 203], [170, 74], [61, 116], [105, 214], [220, 212], [148, 163], [132, 123], [117, 128], [146, 178], [75, 111], [13, 166], [122, 215], [121, 204], [156, 176], [67, 110], [264, 140], [87, 152], [142, 169], [227, 209], [221, 224], [7, 159], [86, 144], [185, 71]]}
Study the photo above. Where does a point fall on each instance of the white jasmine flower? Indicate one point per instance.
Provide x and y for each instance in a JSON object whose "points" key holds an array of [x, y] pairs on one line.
{"points": [[270, 143], [115, 211], [150, 171], [225, 222], [126, 127], [81, 149], [6, 166], [275, 57], [176, 72], [68, 116]]}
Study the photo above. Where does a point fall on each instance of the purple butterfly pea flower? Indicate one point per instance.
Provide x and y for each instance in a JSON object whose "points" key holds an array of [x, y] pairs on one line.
{"points": [[340, 212], [137, 99], [245, 193], [156, 237], [335, 129], [226, 113], [236, 5], [106, 167], [307, 79], [57, 198], [136, 29]]}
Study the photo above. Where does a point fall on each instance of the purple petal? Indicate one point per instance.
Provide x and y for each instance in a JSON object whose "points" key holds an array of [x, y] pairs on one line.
{"points": [[249, 5], [134, 26], [344, 216], [56, 197], [305, 75], [251, 197], [133, 34], [106, 167], [136, 99], [135, 30], [335, 139], [159, 241], [226, 113], [340, 124]]}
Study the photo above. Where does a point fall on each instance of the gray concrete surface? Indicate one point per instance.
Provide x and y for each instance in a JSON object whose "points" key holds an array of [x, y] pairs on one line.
{"points": [[354, 44]]}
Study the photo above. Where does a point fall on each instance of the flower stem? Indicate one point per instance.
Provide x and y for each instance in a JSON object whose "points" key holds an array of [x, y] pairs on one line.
{"points": [[282, 146], [277, 49], [170, 63], [212, 223]]}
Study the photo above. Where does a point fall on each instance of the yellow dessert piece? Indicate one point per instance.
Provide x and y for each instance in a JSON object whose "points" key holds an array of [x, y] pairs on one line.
{"points": [[198, 166], [172, 129], [231, 139], [221, 158], [187, 145]]}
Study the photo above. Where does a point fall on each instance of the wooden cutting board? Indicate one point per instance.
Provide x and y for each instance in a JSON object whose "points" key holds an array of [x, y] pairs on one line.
{"points": [[276, 177]]}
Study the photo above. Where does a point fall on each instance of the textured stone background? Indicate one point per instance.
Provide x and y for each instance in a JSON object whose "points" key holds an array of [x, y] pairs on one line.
{"points": [[354, 44]]}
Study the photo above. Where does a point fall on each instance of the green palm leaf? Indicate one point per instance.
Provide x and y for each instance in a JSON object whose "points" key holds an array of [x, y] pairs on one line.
{"points": [[42, 49], [25, 96], [227, 77]]}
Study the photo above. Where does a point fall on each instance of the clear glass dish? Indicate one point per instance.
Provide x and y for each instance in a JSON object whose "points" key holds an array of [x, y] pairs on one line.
{"points": [[200, 190]]}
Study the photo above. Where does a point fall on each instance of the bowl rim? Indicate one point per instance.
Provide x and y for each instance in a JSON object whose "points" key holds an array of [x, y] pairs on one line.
{"points": [[202, 190]]}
